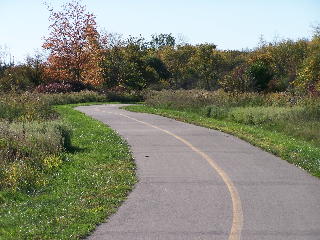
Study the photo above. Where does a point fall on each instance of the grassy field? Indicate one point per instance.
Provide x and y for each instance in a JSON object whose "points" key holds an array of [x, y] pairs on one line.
{"points": [[95, 176], [286, 127]]}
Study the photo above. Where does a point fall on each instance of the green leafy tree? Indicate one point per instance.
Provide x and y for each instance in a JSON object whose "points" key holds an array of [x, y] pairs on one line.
{"points": [[260, 75], [158, 65], [162, 40], [128, 64], [208, 65], [177, 61], [285, 58], [16, 78], [308, 80]]}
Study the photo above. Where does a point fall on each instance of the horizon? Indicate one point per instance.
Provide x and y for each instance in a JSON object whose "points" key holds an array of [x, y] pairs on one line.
{"points": [[231, 25]]}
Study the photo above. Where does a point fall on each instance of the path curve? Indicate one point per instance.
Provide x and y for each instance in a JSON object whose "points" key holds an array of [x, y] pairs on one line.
{"points": [[196, 183]]}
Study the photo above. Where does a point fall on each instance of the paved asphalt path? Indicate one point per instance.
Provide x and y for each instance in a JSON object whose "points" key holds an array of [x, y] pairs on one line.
{"points": [[201, 184]]}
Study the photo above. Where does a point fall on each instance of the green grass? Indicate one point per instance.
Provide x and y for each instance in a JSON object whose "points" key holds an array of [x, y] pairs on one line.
{"points": [[304, 154], [294, 121], [89, 186]]}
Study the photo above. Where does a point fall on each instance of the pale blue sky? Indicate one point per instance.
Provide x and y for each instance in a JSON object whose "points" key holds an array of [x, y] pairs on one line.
{"points": [[231, 24]]}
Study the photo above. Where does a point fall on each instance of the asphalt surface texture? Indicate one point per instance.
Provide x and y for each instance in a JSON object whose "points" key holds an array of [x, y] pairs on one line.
{"points": [[199, 184]]}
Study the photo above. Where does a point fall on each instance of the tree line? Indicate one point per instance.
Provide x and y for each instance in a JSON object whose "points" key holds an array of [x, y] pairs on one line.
{"points": [[79, 57]]}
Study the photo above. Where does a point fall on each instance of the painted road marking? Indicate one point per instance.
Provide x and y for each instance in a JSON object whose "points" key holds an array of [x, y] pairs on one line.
{"points": [[237, 214]]}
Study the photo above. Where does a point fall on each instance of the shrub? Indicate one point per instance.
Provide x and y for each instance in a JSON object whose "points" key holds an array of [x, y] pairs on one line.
{"points": [[35, 106], [216, 112], [261, 115], [236, 81], [289, 114], [25, 107], [75, 97], [29, 151], [311, 108], [308, 80], [32, 141], [260, 74], [16, 78], [200, 98], [22, 77], [125, 96], [62, 87]]}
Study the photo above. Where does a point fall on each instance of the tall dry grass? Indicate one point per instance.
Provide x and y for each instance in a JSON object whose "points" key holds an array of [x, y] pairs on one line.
{"points": [[292, 115]]}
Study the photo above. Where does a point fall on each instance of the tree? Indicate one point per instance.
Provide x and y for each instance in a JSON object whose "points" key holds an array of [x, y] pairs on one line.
{"points": [[73, 45], [128, 64], [236, 80], [260, 74], [177, 61], [162, 40], [4, 53], [259, 70], [208, 63], [123, 64], [16, 78], [156, 65], [35, 66], [308, 80]]}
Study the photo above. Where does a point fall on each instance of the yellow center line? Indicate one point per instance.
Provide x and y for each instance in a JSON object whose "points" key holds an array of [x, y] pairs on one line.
{"points": [[237, 215]]}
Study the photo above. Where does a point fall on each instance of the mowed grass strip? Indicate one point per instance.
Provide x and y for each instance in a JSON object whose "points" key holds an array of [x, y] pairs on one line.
{"points": [[302, 153], [89, 187]]}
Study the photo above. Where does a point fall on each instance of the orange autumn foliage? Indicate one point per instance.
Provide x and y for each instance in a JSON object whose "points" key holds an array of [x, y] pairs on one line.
{"points": [[73, 45]]}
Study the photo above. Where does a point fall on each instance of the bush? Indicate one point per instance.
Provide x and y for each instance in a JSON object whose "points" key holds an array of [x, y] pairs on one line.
{"points": [[291, 115], [30, 151], [216, 112], [32, 142], [308, 80], [261, 115], [16, 78], [237, 80], [69, 98], [62, 87], [23, 77], [25, 107], [182, 99], [35, 106], [311, 108], [260, 74], [124, 96]]}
